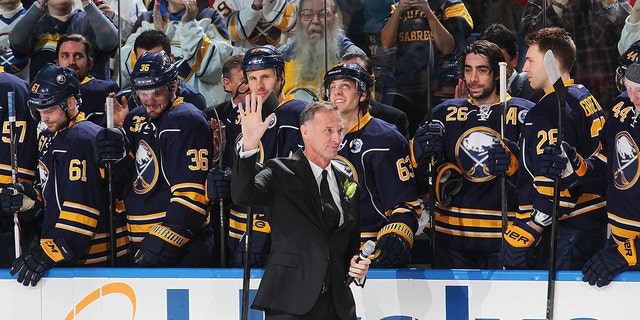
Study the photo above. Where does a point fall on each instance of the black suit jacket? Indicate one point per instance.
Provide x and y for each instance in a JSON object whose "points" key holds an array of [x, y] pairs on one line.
{"points": [[301, 247]]}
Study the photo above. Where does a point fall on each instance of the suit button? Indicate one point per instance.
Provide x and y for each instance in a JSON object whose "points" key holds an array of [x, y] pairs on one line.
{"points": [[326, 258]]}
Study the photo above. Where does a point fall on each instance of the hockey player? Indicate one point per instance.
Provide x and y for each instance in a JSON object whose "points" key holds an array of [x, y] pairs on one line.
{"points": [[156, 41], [616, 166], [76, 221], [199, 40], [582, 211], [376, 155], [170, 143], [463, 135], [257, 22], [263, 69], [76, 52], [12, 201]]}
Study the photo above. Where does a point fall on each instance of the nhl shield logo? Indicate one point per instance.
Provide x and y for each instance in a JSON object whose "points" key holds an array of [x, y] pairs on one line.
{"points": [[147, 169], [472, 151], [625, 169]]}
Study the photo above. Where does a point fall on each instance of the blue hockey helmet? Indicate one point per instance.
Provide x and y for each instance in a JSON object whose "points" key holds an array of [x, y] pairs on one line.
{"points": [[263, 57], [349, 71], [52, 86], [152, 70]]}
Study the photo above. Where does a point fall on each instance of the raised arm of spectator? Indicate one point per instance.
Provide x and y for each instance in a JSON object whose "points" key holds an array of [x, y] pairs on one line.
{"points": [[20, 36], [106, 32], [631, 31]]}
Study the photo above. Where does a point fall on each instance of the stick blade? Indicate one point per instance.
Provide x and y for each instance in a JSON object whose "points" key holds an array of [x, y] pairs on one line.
{"points": [[551, 66]]}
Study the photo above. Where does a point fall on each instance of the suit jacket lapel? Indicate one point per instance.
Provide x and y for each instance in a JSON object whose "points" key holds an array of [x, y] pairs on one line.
{"points": [[347, 204]]}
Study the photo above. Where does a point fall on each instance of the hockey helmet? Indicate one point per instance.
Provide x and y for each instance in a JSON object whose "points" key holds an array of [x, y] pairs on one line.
{"points": [[349, 71], [152, 70], [52, 86], [626, 59], [263, 57]]}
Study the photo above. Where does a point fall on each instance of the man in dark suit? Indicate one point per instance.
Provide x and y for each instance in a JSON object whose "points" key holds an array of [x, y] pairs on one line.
{"points": [[314, 241]]}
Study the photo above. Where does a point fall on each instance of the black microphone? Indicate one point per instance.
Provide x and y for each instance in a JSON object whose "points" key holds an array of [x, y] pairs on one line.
{"points": [[366, 251]]}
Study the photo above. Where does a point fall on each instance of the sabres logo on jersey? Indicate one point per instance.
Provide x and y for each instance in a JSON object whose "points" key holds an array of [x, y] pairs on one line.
{"points": [[43, 171], [625, 172], [147, 169], [472, 152], [345, 166]]}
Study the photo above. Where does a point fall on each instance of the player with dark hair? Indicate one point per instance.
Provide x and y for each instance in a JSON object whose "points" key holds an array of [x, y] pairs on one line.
{"points": [[156, 41], [74, 51], [582, 213], [22, 196], [171, 145], [376, 155], [263, 69], [517, 82], [465, 138], [76, 221]]}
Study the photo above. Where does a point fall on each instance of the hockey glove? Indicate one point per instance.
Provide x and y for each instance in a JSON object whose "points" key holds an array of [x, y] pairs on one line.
{"points": [[562, 161], [111, 145], [219, 183], [161, 247], [428, 141], [393, 248], [609, 262], [501, 158], [21, 198], [32, 265], [518, 246], [449, 182], [260, 248]]}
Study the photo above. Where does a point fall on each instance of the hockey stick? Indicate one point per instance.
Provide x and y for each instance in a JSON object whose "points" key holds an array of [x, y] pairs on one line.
{"points": [[112, 214], [246, 275], [13, 146], [561, 93], [503, 117], [223, 236], [432, 160]]}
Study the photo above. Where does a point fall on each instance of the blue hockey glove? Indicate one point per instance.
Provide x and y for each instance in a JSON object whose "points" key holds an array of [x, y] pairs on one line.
{"points": [[162, 247], [393, 248], [562, 161], [219, 183], [609, 262], [501, 158], [21, 198], [518, 246], [111, 145], [260, 248], [428, 141], [32, 265]]}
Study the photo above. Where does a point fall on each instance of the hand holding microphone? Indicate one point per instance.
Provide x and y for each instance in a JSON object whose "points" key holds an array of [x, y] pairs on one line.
{"points": [[357, 268]]}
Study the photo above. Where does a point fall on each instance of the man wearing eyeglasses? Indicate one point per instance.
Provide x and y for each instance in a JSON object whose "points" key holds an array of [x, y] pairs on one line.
{"points": [[306, 57]]}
